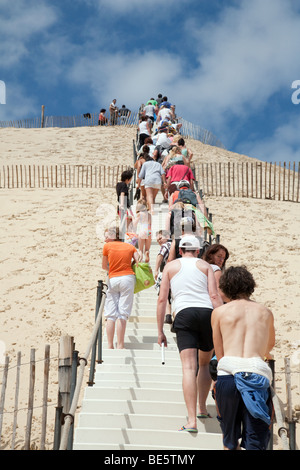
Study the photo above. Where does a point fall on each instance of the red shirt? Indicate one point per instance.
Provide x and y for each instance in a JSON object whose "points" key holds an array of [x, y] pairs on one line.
{"points": [[180, 172]]}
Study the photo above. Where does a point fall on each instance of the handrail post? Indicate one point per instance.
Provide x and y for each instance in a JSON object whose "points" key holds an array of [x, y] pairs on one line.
{"points": [[57, 427], [73, 386], [82, 363], [100, 360], [98, 337]]}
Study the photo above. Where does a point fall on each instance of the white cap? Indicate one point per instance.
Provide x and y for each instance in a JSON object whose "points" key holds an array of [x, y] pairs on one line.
{"points": [[189, 242]]}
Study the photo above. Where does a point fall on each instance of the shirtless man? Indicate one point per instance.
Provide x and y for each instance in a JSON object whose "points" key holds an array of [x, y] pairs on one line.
{"points": [[243, 336], [195, 294]]}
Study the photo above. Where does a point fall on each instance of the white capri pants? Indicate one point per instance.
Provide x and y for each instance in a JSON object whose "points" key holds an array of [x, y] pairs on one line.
{"points": [[119, 298]]}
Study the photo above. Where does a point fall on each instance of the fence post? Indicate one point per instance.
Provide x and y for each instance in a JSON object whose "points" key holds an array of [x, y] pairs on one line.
{"points": [[279, 183], [3, 391], [229, 193], [66, 347], [270, 179], [16, 401], [45, 396], [30, 400], [298, 182], [275, 170], [283, 189], [43, 116]]}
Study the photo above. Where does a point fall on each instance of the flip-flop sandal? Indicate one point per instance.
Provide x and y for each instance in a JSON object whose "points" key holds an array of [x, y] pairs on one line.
{"points": [[204, 415], [183, 428]]}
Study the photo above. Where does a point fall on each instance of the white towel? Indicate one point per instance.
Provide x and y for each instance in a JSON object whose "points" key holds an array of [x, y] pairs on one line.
{"points": [[231, 365]]}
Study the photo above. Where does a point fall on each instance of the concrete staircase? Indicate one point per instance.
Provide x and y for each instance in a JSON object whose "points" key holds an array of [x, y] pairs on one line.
{"points": [[137, 400]]}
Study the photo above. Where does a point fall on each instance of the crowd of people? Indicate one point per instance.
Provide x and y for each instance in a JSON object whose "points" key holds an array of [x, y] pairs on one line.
{"points": [[116, 115], [207, 305]]}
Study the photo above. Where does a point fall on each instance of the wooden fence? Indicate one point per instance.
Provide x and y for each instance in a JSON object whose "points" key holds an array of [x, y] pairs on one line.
{"points": [[192, 131], [16, 426], [188, 129], [35, 394], [60, 176], [80, 120], [260, 180]]}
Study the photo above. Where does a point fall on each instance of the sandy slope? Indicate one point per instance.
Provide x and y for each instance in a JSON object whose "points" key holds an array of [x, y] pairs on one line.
{"points": [[50, 254]]}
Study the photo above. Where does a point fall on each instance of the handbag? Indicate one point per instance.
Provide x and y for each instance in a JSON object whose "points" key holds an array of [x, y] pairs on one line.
{"points": [[144, 277], [137, 194]]}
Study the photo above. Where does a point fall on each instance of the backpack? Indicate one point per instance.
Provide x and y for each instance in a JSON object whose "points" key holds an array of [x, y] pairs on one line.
{"points": [[187, 196]]}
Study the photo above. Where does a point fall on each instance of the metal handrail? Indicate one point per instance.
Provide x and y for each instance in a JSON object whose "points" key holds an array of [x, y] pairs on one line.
{"points": [[82, 363], [98, 338]]}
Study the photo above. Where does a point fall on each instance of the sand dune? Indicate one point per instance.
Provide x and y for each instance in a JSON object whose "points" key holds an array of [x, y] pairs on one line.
{"points": [[50, 254]]}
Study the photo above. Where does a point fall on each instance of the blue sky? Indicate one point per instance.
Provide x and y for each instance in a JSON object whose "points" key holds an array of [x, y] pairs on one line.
{"points": [[228, 66]]}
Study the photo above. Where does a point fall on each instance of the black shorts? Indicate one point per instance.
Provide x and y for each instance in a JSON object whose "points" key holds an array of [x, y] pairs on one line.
{"points": [[193, 329]]}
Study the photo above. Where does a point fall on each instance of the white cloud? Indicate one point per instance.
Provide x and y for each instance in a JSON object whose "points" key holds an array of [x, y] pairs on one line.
{"points": [[18, 25], [245, 57], [283, 145], [18, 104], [124, 6], [126, 77]]}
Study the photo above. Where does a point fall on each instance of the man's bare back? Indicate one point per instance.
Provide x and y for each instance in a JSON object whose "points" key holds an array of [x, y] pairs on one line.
{"points": [[243, 328]]}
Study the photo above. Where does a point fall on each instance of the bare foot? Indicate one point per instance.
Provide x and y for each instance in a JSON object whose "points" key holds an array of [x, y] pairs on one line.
{"points": [[147, 257]]}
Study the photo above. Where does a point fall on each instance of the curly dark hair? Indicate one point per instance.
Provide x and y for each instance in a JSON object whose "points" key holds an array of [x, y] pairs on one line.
{"points": [[212, 250], [237, 282]]}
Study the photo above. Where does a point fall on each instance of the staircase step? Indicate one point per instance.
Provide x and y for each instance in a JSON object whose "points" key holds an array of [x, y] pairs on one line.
{"points": [[137, 394], [153, 437], [132, 393], [146, 325], [123, 353], [144, 339], [143, 421], [136, 402], [146, 346], [158, 368], [139, 361], [163, 408], [138, 377], [131, 447], [163, 384], [151, 330]]}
